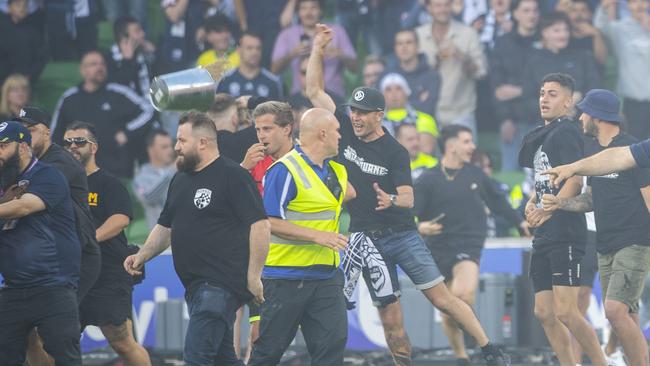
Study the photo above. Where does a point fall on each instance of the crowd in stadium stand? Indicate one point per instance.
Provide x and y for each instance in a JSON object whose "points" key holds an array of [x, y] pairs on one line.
{"points": [[438, 62]]}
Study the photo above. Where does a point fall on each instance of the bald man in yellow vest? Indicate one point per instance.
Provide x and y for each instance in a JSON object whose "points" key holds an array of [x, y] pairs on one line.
{"points": [[303, 285]]}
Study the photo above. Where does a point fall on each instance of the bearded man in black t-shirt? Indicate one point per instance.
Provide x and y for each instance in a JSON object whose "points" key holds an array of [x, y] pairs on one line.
{"points": [[382, 225], [560, 237], [215, 222], [108, 304]]}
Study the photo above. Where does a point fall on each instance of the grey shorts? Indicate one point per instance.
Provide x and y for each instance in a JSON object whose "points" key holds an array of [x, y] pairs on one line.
{"points": [[623, 273]]}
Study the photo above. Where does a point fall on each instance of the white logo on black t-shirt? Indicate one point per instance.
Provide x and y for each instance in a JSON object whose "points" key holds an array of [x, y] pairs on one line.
{"points": [[358, 96], [202, 198], [368, 168]]}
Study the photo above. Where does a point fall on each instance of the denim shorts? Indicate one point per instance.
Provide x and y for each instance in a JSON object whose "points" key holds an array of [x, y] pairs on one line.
{"points": [[408, 250]]}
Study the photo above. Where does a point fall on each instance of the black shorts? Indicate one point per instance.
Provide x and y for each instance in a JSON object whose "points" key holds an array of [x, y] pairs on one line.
{"points": [[589, 263], [447, 255], [107, 303], [556, 265]]}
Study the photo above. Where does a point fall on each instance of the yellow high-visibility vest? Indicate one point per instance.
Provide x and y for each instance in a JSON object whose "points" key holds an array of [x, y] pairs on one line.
{"points": [[314, 207]]}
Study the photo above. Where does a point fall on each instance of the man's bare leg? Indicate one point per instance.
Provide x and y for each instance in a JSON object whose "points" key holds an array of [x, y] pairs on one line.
{"points": [[398, 342], [557, 334], [628, 332], [463, 285], [121, 339], [584, 297], [565, 299]]}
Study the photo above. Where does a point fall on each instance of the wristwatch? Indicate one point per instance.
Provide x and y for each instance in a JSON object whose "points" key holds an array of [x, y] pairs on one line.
{"points": [[393, 199]]}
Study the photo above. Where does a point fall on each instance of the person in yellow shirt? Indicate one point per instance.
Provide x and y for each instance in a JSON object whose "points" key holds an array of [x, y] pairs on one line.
{"points": [[399, 112], [218, 34], [407, 135]]}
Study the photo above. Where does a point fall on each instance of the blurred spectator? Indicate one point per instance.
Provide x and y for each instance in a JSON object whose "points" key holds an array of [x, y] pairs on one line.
{"points": [[178, 47], [358, 17], [399, 112], [300, 100], [232, 144], [218, 35], [152, 180], [373, 68], [408, 136], [497, 22], [630, 38], [116, 9], [422, 79], [131, 56], [469, 11], [454, 49], [225, 7], [15, 95], [584, 35], [416, 16], [71, 28], [120, 116], [389, 15], [498, 225], [295, 42], [507, 62], [555, 56], [20, 28], [266, 18], [250, 78]]}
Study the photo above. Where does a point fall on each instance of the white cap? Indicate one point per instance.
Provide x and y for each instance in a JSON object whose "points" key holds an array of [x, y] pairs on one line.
{"points": [[394, 78]]}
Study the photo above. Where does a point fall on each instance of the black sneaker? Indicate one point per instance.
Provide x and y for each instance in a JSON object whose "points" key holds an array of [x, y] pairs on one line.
{"points": [[496, 358], [463, 362]]}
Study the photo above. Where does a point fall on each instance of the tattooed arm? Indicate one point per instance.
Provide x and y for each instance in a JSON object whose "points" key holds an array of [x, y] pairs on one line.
{"points": [[580, 203]]}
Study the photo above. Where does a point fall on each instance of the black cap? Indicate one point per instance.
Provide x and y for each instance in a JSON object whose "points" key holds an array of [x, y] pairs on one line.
{"points": [[33, 116], [367, 99], [14, 131]]}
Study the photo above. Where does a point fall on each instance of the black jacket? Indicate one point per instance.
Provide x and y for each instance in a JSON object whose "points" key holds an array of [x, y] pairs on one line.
{"points": [[22, 46], [111, 108], [133, 73], [507, 61]]}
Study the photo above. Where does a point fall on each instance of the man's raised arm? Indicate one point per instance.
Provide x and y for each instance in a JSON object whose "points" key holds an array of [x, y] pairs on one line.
{"points": [[314, 78]]}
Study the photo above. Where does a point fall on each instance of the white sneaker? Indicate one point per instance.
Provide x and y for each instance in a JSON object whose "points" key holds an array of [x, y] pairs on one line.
{"points": [[616, 358]]}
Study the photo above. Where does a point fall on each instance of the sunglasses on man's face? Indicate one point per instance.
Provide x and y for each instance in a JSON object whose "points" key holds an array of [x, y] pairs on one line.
{"points": [[78, 141]]}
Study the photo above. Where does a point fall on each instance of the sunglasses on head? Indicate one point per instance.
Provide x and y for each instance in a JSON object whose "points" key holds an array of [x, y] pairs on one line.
{"points": [[78, 141]]}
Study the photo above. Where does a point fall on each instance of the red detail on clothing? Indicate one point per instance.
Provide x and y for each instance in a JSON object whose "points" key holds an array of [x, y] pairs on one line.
{"points": [[259, 170]]}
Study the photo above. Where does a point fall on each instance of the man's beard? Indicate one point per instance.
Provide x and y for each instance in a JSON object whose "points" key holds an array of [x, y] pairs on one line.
{"points": [[10, 171], [187, 162]]}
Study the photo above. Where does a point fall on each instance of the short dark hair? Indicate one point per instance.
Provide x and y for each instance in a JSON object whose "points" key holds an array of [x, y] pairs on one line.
{"points": [[218, 23], [92, 50], [409, 30], [515, 4], [586, 2], [81, 125], [222, 102], [320, 3], [399, 128], [121, 26], [565, 80], [449, 132], [199, 120], [151, 136], [552, 18], [248, 34]]}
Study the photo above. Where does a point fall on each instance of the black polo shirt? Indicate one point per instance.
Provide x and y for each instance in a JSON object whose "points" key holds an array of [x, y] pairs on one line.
{"points": [[622, 218]]}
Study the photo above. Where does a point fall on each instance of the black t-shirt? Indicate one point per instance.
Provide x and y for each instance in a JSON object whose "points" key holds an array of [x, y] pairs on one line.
{"points": [[462, 200], [622, 218], [562, 144], [210, 213], [77, 181], [107, 196], [383, 161], [234, 145]]}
